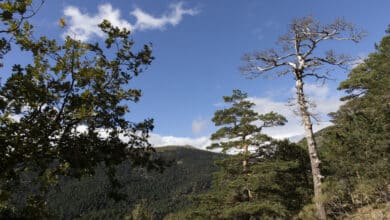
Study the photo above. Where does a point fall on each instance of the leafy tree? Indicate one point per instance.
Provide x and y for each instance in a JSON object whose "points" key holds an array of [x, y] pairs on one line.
{"points": [[297, 55], [14, 14], [356, 149], [64, 114]]}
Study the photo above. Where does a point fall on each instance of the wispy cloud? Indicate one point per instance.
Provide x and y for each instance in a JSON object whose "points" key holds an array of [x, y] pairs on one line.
{"points": [[146, 21], [259, 33], [84, 26], [317, 91], [361, 57], [325, 103], [199, 126], [272, 24]]}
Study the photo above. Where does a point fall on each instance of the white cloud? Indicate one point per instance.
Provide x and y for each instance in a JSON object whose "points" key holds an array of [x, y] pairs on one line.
{"points": [[199, 126], [147, 21], [293, 129], [317, 91], [361, 57], [325, 103], [159, 141], [84, 26]]}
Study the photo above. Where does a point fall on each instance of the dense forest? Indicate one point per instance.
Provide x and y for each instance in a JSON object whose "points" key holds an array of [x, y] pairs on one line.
{"points": [[67, 150], [153, 194]]}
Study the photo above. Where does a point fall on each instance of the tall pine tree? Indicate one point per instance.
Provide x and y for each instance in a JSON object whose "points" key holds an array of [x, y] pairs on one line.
{"points": [[269, 181], [241, 125], [240, 128], [356, 149]]}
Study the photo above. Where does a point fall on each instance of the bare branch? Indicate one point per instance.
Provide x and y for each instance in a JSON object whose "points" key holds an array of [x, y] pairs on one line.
{"points": [[301, 59], [318, 76], [331, 58], [265, 61], [297, 48]]}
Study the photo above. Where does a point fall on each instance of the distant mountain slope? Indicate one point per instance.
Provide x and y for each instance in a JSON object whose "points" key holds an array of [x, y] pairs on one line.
{"points": [[159, 193]]}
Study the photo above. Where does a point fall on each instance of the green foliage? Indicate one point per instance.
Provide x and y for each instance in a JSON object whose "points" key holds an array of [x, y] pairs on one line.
{"points": [[157, 193], [141, 212], [43, 105], [13, 20], [67, 151], [239, 123], [372, 212], [270, 183], [308, 212], [279, 181], [356, 149]]}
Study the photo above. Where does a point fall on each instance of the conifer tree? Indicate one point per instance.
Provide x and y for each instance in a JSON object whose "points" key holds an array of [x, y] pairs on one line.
{"points": [[240, 125], [278, 179], [356, 149], [241, 128], [252, 184]]}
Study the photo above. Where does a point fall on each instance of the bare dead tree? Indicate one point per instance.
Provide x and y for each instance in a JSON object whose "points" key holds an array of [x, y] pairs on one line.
{"points": [[297, 54]]}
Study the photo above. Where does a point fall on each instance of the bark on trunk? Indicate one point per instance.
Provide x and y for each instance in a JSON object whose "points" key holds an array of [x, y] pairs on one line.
{"points": [[245, 170], [245, 154], [312, 147]]}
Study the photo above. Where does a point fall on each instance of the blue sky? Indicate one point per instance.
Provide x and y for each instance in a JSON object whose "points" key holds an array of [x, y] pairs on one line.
{"points": [[198, 47]]}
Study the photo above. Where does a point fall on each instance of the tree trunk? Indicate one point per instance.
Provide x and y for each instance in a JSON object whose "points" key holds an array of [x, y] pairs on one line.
{"points": [[312, 147], [245, 160], [245, 170]]}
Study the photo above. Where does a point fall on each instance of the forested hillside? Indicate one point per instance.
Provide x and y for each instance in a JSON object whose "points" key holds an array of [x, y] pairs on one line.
{"points": [[356, 150], [152, 192]]}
